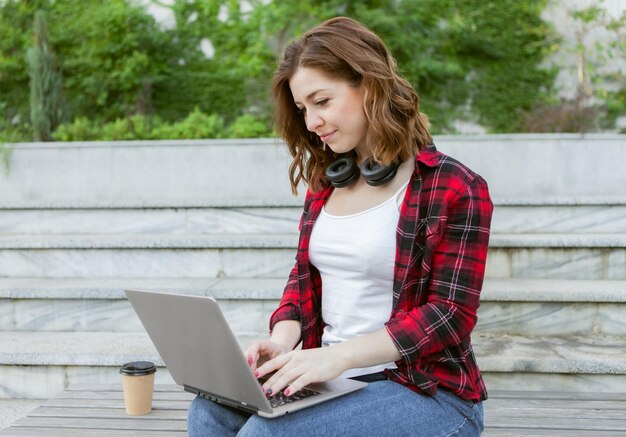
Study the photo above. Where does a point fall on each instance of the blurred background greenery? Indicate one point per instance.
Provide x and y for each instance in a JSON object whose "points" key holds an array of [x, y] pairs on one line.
{"points": [[109, 70]]}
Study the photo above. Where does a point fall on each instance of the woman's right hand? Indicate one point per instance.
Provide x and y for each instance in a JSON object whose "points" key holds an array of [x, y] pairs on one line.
{"points": [[261, 351]]}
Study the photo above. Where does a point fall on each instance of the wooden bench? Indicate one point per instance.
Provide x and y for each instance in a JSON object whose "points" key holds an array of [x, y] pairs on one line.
{"points": [[98, 410]]}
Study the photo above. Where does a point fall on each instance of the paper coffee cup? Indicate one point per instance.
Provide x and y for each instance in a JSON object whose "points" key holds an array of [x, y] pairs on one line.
{"points": [[138, 381]]}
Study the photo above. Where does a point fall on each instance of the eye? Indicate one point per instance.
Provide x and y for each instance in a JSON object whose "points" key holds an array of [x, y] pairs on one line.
{"points": [[321, 102], [301, 110]]}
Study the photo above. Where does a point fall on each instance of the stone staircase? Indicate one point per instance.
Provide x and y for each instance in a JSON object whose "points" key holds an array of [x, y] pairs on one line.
{"points": [[81, 222]]}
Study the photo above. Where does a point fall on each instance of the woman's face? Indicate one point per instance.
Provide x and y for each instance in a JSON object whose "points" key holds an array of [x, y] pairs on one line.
{"points": [[332, 108]]}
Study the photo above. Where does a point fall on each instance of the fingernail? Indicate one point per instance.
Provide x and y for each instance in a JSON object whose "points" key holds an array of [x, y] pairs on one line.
{"points": [[287, 392], [256, 373], [249, 359], [268, 392]]}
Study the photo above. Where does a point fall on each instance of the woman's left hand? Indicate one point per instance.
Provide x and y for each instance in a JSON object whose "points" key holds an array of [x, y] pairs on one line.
{"points": [[299, 368]]}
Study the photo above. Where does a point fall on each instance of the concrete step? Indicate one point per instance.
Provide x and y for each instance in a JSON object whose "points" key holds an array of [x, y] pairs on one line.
{"points": [[179, 173], [553, 256], [101, 305], [507, 218], [41, 364], [147, 255], [38, 365], [13, 409], [510, 306], [590, 364], [150, 221], [559, 218]]}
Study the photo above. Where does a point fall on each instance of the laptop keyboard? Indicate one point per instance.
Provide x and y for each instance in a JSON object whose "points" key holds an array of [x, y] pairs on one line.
{"points": [[280, 398]]}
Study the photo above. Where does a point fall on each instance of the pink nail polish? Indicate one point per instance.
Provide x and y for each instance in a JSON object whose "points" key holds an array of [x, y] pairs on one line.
{"points": [[249, 359], [256, 373], [287, 392]]}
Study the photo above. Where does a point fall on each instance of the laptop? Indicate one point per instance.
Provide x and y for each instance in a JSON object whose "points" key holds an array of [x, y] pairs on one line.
{"points": [[203, 356]]}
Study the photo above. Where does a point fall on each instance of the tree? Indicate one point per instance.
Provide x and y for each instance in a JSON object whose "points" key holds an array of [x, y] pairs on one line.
{"points": [[220, 56], [601, 80], [46, 100]]}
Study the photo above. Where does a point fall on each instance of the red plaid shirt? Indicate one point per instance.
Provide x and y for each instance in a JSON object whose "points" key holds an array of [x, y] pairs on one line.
{"points": [[442, 239]]}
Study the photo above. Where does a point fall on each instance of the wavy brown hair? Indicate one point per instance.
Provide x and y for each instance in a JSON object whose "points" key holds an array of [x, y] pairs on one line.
{"points": [[342, 48]]}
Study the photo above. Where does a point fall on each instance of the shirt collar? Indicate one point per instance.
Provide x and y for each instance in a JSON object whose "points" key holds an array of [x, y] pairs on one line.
{"points": [[428, 156]]}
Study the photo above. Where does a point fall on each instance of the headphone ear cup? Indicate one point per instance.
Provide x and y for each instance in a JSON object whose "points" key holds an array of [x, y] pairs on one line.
{"points": [[376, 174], [342, 172]]}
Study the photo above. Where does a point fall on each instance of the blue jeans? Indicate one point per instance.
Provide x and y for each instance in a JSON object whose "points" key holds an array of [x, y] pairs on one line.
{"points": [[383, 408]]}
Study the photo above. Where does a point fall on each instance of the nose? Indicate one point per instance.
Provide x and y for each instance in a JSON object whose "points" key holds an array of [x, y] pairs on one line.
{"points": [[313, 121]]}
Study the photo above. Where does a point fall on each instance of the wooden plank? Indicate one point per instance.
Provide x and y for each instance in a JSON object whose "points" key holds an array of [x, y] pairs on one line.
{"points": [[555, 423], [519, 394], [113, 403], [553, 413], [119, 395], [98, 410], [520, 432], [118, 387], [103, 413], [125, 423], [548, 404], [68, 432]]}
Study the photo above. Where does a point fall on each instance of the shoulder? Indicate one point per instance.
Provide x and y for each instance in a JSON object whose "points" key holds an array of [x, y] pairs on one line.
{"points": [[445, 174], [433, 163], [456, 169]]}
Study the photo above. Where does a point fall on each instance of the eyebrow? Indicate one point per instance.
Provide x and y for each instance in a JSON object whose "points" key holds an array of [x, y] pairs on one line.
{"points": [[311, 95]]}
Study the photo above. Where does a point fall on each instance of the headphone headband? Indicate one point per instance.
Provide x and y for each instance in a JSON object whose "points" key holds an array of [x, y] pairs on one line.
{"points": [[344, 171]]}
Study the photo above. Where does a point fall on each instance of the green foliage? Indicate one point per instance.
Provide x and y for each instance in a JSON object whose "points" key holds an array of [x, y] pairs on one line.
{"points": [[249, 126], [127, 77], [5, 155], [111, 54], [136, 127], [196, 125], [599, 97], [14, 132], [81, 129], [599, 82], [120, 55], [16, 23], [464, 63], [46, 101], [201, 86]]}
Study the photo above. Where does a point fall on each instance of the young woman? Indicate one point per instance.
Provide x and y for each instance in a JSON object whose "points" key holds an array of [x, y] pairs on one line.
{"points": [[391, 256]]}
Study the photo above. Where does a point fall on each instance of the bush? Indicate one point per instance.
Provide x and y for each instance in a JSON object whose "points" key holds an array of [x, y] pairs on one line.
{"points": [[15, 133], [136, 127], [81, 129], [249, 126], [197, 125], [566, 116]]}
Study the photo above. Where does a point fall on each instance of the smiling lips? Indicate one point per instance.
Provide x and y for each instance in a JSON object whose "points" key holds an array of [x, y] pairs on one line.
{"points": [[325, 137]]}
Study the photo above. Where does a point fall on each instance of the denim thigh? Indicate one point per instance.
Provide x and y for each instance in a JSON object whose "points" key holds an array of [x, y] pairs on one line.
{"points": [[382, 408]]}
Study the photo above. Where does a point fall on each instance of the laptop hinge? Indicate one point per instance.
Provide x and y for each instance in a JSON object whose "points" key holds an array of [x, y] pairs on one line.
{"points": [[221, 399]]}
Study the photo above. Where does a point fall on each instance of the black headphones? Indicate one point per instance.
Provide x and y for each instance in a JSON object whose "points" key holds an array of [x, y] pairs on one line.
{"points": [[345, 171]]}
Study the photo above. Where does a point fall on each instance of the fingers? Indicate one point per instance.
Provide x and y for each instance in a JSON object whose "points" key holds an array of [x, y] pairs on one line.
{"points": [[272, 365], [253, 354], [280, 380], [262, 351], [297, 385], [289, 372]]}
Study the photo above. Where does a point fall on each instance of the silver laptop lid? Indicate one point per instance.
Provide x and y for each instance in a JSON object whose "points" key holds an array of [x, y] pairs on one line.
{"points": [[196, 344]]}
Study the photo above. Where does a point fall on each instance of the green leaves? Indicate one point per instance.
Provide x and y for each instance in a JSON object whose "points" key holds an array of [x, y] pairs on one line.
{"points": [[471, 60]]}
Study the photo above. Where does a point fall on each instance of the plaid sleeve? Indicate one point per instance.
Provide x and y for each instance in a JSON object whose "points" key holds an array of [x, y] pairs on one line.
{"points": [[457, 266], [289, 307]]}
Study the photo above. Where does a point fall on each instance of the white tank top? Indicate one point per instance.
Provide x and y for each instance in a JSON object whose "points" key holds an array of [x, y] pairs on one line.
{"points": [[355, 255]]}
